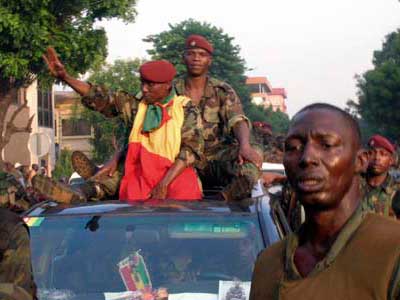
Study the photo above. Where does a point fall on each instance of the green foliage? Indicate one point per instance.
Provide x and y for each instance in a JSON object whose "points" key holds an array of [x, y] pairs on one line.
{"points": [[63, 167], [27, 27], [111, 134], [278, 120], [379, 91], [227, 64]]}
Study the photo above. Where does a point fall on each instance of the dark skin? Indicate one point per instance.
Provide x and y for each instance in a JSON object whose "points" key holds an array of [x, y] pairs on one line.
{"points": [[380, 161], [198, 62], [323, 162], [152, 93]]}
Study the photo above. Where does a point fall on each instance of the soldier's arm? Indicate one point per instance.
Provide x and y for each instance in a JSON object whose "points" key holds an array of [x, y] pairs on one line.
{"points": [[16, 268], [232, 111], [192, 142]]}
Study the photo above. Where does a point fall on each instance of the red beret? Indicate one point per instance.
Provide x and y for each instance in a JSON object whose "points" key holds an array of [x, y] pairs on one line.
{"points": [[159, 71], [378, 141], [198, 41]]}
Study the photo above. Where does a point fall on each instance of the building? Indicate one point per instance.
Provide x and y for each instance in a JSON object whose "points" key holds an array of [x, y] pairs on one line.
{"points": [[72, 133], [40, 106], [262, 93]]}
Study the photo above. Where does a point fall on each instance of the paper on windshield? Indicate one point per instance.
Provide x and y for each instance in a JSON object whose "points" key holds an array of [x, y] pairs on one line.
{"points": [[193, 296], [234, 290]]}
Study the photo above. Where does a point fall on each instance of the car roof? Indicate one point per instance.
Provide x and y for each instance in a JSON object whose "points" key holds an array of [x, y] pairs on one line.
{"points": [[50, 208]]}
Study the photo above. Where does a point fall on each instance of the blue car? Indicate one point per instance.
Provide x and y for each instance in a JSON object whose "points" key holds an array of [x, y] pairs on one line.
{"points": [[116, 250]]}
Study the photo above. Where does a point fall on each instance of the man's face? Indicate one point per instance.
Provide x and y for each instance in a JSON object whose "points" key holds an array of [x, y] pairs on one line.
{"points": [[320, 158], [197, 61], [154, 92], [380, 160]]}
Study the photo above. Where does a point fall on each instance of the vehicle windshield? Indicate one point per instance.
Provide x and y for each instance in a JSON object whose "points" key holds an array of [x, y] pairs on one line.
{"points": [[75, 257]]}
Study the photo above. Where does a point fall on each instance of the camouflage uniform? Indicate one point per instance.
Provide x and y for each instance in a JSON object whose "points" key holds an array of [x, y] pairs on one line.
{"points": [[12, 193], [221, 110], [379, 199], [272, 145], [113, 104], [16, 279]]}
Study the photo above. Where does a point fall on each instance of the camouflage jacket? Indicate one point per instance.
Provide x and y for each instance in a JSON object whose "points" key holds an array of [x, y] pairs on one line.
{"points": [[220, 109], [113, 104], [379, 199], [16, 279], [12, 194]]}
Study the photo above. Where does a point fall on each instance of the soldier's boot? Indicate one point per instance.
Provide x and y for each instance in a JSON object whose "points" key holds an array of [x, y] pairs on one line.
{"points": [[83, 165], [57, 191]]}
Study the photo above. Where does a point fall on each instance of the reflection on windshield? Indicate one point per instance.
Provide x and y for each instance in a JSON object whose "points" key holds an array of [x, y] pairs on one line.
{"points": [[97, 255]]}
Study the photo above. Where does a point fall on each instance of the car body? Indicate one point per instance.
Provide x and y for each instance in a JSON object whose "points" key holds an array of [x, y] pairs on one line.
{"points": [[194, 250]]}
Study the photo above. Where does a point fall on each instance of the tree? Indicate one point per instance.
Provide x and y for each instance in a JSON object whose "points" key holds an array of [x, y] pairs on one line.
{"points": [[28, 27], [63, 167], [379, 91], [278, 120], [227, 64], [110, 134]]}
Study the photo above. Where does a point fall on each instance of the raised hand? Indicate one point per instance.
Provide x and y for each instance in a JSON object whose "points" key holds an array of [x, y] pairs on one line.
{"points": [[54, 64]]}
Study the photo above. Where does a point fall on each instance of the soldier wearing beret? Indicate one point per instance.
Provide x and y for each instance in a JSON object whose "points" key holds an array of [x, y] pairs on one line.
{"points": [[380, 187], [339, 252], [162, 124], [229, 158]]}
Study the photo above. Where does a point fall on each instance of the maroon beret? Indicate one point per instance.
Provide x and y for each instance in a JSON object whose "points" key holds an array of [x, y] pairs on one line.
{"points": [[159, 71], [198, 41], [378, 141]]}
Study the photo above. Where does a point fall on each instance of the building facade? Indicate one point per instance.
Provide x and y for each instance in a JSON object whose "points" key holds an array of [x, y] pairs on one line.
{"points": [[40, 105], [262, 93], [72, 133]]}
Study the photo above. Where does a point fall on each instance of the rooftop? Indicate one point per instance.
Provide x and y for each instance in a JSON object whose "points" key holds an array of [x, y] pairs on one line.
{"points": [[117, 207]]}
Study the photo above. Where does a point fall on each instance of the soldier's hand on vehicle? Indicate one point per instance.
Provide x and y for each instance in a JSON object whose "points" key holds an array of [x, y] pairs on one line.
{"points": [[247, 153], [54, 64], [159, 191]]}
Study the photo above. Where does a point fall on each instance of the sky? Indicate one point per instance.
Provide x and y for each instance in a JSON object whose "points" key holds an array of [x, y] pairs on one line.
{"points": [[312, 48]]}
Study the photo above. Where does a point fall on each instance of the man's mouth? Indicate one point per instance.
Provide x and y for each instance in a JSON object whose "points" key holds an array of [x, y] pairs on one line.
{"points": [[309, 184]]}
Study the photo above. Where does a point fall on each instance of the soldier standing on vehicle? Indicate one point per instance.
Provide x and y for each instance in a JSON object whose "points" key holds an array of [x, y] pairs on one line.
{"points": [[379, 186], [339, 252], [164, 143], [229, 158], [16, 277]]}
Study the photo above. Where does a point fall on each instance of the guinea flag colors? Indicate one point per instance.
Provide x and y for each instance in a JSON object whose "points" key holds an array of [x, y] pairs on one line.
{"points": [[151, 154]]}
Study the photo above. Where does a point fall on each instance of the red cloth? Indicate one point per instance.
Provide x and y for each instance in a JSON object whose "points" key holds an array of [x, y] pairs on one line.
{"points": [[198, 41], [378, 141], [144, 170], [159, 71]]}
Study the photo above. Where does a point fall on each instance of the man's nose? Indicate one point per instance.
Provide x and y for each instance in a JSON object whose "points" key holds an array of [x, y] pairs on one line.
{"points": [[309, 156]]}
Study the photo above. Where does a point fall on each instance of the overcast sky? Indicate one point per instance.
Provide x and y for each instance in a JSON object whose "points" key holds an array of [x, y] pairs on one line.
{"points": [[313, 48]]}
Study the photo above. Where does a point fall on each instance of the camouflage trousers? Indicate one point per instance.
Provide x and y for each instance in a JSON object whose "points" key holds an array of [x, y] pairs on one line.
{"points": [[221, 168]]}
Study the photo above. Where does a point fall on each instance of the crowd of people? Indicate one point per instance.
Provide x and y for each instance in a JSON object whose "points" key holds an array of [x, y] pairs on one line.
{"points": [[190, 134]]}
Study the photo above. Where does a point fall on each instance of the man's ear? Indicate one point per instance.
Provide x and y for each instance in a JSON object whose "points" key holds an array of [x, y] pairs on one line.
{"points": [[362, 161]]}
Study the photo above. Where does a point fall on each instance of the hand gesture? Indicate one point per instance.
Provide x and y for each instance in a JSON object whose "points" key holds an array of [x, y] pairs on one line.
{"points": [[54, 64]]}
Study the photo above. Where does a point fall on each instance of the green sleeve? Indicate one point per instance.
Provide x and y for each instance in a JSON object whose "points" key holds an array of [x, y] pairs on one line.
{"points": [[192, 142], [112, 104], [15, 267]]}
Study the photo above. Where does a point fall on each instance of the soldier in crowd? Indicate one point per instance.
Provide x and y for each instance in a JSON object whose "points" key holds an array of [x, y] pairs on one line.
{"points": [[13, 195], [165, 141], [16, 277], [379, 186], [339, 252]]}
